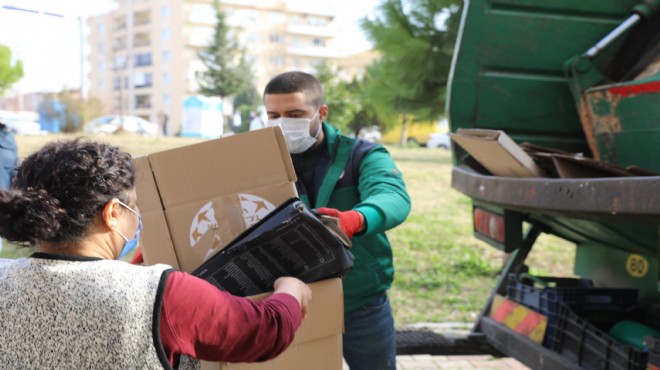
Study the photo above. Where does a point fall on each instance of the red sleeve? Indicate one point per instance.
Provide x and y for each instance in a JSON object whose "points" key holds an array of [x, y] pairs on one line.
{"points": [[199, 320]]}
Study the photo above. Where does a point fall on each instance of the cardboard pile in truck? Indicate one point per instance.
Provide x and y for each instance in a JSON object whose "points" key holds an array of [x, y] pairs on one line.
{"points": [[496, 152], [196, 199]]}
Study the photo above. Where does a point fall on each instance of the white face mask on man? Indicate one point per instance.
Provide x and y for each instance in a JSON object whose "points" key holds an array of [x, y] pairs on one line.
{"points": [[296, 132]]}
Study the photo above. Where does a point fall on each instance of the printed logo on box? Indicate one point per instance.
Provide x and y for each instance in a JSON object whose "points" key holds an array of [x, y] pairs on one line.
{"points": [[254, 208], [203, 221]]}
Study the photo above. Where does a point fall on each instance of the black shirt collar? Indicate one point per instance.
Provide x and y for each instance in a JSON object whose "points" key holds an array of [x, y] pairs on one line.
{"points": [[64, 257]]}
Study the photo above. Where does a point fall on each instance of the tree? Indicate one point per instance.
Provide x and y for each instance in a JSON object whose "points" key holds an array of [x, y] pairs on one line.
{"points": [[228, 72], [416, 40], [339, 95], [245, 102], [9, 74], [70, 110]]}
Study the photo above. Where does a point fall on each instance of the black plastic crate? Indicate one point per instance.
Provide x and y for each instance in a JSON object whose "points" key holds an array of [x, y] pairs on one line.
{"points": [[582, 343], [578, 292]]}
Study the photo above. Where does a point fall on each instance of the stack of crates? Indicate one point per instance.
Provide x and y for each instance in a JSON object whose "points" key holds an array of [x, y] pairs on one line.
{"points": [[583, 343], [581, 293]]}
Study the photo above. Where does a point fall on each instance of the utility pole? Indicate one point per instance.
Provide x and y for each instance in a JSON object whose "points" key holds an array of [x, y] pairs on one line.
{"points": [[129, 56], [82, 57]]}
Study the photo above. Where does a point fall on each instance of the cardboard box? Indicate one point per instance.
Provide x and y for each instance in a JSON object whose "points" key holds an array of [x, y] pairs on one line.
{"points": [[494, 150], [318, 342], [194, 200]]}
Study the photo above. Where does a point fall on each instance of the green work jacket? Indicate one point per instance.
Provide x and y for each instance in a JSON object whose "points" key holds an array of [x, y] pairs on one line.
{"points": [[359, 175]]}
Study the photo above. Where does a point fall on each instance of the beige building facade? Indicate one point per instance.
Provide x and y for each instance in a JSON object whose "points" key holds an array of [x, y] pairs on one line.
{"points": [[143, 55]]}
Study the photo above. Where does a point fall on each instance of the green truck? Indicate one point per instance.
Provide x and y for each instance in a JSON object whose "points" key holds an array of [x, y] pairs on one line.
{"points": [[578, 81]]}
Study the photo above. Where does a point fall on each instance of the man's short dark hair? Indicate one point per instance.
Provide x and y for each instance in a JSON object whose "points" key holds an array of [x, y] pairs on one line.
{"points": [[293, 82]]}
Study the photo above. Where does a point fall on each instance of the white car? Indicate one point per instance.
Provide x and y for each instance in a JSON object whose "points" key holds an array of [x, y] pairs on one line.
{"points": [[111, 124], [371, 134], [24, 127], [439, 140]]}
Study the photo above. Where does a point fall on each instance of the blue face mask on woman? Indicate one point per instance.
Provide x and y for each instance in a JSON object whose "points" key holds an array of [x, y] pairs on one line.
{"points": [[132, 243]]}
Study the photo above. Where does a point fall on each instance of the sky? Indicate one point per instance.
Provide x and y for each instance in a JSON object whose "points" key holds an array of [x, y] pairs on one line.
{"points": [[49, 45]]}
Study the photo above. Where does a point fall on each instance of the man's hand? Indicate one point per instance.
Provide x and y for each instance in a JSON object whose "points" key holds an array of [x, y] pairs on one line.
{"points": [[351, 222]]}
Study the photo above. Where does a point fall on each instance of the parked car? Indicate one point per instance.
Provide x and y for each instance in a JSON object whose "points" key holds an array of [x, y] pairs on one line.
{"points": [[371, 134], [23, 123], [111, 124], [439, 140], [24, 127]]}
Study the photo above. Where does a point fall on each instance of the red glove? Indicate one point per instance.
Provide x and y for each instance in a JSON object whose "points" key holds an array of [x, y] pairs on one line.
{"points": [[137, 257], [350, 222]]}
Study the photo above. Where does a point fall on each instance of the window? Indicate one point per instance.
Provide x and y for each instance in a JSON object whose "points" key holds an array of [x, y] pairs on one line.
{"points": [[167, 56], [165, 11], [142, 80], [99, 47], [100, 28], [99, 85], [167, 100], [119, 62], [143, 59], [166, 33], [116, 83], [318, 42], [167, 78], [142, 101], [100, 66], [275, 38]]}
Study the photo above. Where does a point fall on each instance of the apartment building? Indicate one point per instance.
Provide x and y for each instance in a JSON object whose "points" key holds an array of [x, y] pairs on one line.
{"points": [[144, 54]]}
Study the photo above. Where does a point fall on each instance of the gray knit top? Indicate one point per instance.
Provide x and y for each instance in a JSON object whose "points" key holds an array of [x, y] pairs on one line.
{"points": [[65, 312]]}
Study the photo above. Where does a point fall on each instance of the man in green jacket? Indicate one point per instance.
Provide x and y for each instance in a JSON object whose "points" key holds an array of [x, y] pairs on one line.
{"points": [[357, 182]]}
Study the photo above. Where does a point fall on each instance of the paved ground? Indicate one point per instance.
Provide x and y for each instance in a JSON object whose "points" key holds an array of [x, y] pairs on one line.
{"points": [[428, 362]]}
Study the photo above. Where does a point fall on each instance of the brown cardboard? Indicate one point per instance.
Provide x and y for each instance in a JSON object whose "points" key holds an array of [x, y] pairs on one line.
{"points": [[570, 167], [494, 150], [317, 344], [209, 193], [226, 185], [153, 218]]}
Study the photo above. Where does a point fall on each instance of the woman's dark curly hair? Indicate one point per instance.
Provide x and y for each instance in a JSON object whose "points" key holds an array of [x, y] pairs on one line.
{"points": [[59, 191]]}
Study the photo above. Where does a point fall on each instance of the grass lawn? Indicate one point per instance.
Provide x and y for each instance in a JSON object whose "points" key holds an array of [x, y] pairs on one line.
{"points": [[443, 274]]}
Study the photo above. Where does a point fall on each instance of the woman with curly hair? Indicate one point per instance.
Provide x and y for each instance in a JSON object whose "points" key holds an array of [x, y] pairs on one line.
{"points": [[73, 305]]}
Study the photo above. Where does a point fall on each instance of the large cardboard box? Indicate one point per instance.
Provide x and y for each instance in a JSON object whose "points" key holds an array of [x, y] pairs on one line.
{"points": [[318, 342], [196, 199], [494, 150]]}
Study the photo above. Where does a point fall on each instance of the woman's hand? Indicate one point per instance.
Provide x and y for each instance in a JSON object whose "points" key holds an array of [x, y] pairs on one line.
{"points": [[296, 288]]}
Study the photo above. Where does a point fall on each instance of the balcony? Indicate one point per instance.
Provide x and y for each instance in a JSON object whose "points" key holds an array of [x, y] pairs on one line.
{"points": [[307, 30], [142, 39], [141, 18], [311, 51]]}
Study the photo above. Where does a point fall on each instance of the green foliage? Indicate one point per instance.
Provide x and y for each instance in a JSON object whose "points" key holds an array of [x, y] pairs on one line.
{"points": [[416, 40], [9, 74], [76, 111], [228, 72], [349, 111], [339, 96]]}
